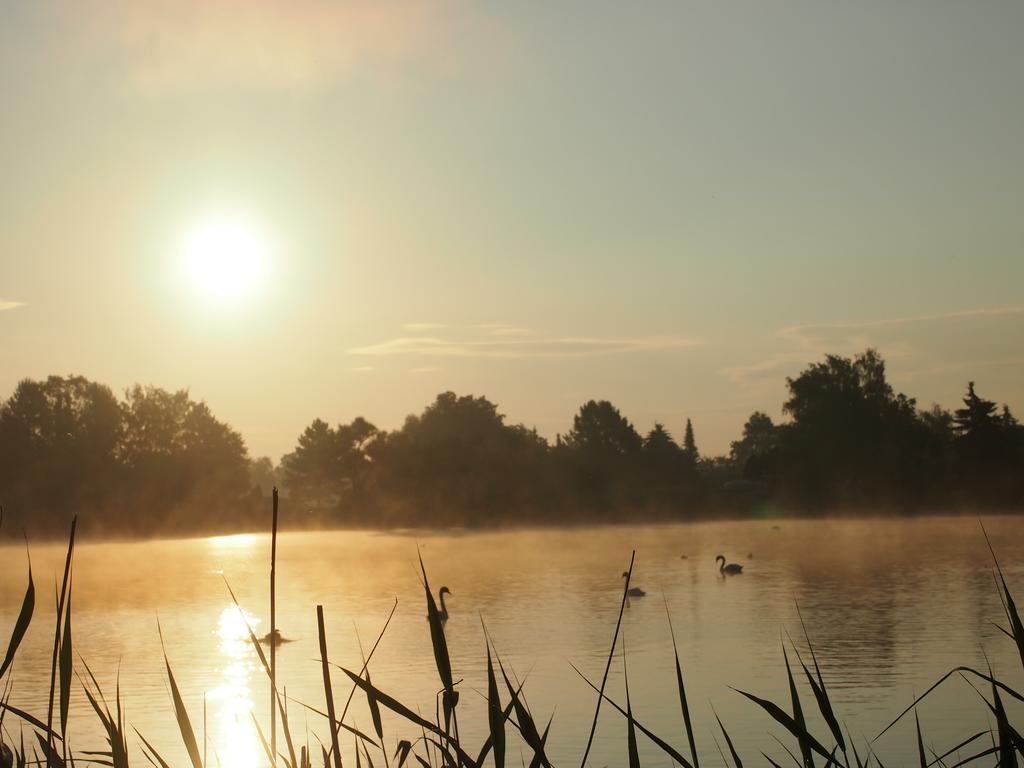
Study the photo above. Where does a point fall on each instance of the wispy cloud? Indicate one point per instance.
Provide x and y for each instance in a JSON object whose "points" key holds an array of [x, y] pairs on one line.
{"points": [[362, 369], [196, 44], [802, 343], [500, 329], [425, 369], [517, 348], [816, 336], [423, 326], [10, 305]]}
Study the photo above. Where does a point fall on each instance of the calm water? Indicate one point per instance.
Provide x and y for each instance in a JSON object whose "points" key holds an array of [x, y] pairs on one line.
{"points": [[890, 606]]}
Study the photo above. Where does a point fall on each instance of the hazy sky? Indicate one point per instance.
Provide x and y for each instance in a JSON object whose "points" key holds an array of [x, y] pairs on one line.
{"points": [[672, 206]]}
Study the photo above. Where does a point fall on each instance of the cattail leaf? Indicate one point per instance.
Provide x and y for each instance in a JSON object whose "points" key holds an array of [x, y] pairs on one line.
{"points": [[798, 716], [786, 721], [732, 750], [65, 669], [188, 734], [495, 715], [28, 605], [682, 693], [437, 639]]}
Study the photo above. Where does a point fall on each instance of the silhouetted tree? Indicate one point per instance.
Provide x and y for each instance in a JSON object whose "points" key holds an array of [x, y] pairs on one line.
{"points": [[604, 450], [459, 462], [186, 468], [689, 443], [600, 428], [311, 474], [158, 461], [755, 455], [58, 446], [659, 447], [852, 440], [987, 448]]}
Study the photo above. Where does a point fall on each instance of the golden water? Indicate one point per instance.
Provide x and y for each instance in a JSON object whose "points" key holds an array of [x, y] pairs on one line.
{"points": [[890, 605]]}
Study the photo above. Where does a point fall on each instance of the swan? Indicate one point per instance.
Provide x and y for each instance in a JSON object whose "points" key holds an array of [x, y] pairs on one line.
{"points": [[732, 569], [443, 613], [633, 591]]}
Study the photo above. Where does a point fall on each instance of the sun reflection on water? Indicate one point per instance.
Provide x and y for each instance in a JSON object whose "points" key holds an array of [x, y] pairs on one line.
{"points": [[234, 737], [233, 541]]}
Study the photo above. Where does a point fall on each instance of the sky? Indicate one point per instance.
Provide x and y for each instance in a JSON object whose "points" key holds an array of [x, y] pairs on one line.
{"points": [[673, 206]]}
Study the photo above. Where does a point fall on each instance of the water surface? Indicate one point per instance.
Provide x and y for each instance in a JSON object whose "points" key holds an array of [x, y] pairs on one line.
{"points": [[889, 604]]}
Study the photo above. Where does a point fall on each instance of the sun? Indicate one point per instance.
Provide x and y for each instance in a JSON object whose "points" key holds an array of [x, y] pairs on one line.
{"points": [[225, 259]]}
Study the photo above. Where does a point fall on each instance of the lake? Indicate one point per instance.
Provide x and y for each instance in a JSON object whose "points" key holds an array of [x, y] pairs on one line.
{"points": [[890, 605]]}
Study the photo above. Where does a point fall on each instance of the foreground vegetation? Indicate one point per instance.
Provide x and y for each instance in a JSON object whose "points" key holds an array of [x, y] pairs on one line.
{"points": [[158, 462], [30, 739]]}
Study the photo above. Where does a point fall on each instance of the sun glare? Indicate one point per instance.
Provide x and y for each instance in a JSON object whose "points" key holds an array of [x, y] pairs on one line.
{"points": [[225, 260]]}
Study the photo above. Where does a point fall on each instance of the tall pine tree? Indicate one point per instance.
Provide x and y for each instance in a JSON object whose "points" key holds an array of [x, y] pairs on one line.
{"points": [[689, 444]]}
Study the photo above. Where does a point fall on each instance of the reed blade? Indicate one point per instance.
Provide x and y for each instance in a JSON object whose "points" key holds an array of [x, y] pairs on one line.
{"points": [[495, 715], [920, 743], [798, 717], [450, 697], [28, 605], [188, 734], [682, 693], [65, 669], [732, 750], [608, 665], [787, 722]]}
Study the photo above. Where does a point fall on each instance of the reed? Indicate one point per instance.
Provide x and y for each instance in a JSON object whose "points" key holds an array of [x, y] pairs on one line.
{"points": [[509, 718]]}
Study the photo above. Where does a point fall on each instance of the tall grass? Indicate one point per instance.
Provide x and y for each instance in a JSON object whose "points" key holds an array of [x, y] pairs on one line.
{"points": [[509, 718]]}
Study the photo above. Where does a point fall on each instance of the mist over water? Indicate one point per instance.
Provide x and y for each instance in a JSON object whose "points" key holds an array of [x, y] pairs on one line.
{"points": [[890, 606]]}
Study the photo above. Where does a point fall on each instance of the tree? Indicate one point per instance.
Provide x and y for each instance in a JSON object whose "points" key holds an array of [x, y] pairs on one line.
{"points": [[755, 454], [600, 428], [852, 439], [689, 443], [659, 445], [459, 462], [313, 472], [977, 419], [58, 444], [602, 459], [988, 448], [185, 468]]}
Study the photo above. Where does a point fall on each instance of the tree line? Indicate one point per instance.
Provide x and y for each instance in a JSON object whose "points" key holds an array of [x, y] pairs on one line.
{"points": [[155, 461]]}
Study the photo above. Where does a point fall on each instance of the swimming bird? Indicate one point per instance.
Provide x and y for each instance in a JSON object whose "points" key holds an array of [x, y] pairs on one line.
{"points": [[443, 613], [274, 638], [633, 591], [732, 569]]}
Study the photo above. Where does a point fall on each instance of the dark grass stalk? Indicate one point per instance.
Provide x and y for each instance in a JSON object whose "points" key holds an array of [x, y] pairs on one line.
{"points": [[634, 757], [328, 693], [665, 747], [608, 665], [682, 691], [273, 633], [28, 605], [65, 670], [371, 702], [56, 642], [732, 750], [818, 688], [188, 734]]}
